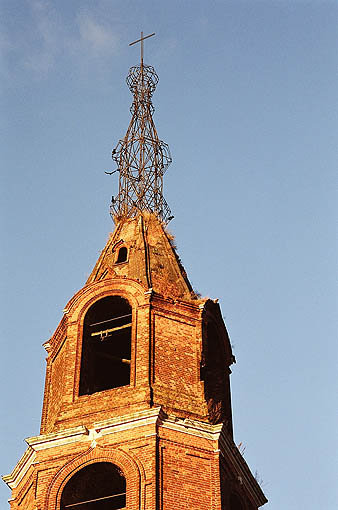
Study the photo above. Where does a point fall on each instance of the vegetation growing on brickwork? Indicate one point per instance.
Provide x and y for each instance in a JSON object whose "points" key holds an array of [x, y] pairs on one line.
{"points": [[171, 238]]}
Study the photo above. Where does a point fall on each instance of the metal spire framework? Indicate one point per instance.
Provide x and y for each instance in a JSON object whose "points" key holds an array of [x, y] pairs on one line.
{"points": [[141, 157]]}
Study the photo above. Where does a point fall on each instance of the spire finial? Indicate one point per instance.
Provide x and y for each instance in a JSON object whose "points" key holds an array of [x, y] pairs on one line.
{"points": [[141, 41], [141, 157]]}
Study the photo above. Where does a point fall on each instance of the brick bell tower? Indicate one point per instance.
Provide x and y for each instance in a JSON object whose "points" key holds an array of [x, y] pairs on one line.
{"points": [[137, 409]]}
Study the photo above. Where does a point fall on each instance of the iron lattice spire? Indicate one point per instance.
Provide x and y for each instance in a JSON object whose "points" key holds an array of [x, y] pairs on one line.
{"points": [[141, 157]]}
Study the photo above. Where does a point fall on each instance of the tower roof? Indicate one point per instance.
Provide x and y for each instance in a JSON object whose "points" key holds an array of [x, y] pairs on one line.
{"points": [[150, 257]]}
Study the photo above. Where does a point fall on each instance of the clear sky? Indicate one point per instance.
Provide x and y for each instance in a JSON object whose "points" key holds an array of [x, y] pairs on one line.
{"points": [[247, 101]]}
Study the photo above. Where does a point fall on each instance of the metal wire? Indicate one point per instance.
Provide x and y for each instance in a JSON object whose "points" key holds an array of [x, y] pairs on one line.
{"points": [[97, 499], [141, 157], [109, 320]]}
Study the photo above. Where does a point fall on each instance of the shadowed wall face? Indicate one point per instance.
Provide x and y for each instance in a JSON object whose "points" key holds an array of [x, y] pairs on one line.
{"points": [[213, 373]]}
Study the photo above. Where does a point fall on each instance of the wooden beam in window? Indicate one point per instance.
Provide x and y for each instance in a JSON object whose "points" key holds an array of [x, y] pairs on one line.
{"points": [[104, 333]]}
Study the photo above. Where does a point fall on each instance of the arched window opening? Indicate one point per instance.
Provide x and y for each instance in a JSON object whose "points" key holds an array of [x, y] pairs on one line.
{"points": [[99, 486], [106, 346], [235, 503], [122, 255]]}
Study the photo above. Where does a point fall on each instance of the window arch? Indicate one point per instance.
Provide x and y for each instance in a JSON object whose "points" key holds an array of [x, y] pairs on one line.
{"points": [[98, 486], [106, 345]]}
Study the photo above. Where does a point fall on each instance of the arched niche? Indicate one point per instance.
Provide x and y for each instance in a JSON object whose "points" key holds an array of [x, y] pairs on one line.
{"points": [[97, 486], [106, 345]]}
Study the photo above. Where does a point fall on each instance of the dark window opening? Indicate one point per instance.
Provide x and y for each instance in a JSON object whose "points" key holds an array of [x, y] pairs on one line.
{"points": [[106, 346], [123, 254], [99, 486]]}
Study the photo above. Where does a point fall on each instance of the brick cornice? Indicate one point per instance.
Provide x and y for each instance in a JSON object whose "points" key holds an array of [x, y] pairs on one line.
{"points": [[153, 416], [127, 422], [74, 435], [192, 427], [26, 461], [53, 440]]}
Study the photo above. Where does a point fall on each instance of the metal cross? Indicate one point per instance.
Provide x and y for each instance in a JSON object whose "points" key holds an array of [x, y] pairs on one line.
{"points": [[141, 41]]}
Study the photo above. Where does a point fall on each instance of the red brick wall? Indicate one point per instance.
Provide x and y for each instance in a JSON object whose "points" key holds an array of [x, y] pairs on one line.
{"points": [[165, 364]]}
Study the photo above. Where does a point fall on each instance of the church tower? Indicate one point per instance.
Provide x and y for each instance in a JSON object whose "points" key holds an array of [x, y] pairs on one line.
{"points": [[137, 409]]}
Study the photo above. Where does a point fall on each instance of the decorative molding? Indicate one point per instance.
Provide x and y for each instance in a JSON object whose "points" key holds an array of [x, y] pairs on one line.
{"points": [[154, 416], [54, 440], [127, 422], [75, 435], [192, 427], [26, 461], [118, 284]]}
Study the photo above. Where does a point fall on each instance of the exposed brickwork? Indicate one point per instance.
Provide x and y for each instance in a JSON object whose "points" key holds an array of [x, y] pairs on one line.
{"points": [[152, 259], [163, 430]]}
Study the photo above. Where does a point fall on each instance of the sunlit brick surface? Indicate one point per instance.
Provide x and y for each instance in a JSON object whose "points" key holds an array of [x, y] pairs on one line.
{"points": [[170, 429]]}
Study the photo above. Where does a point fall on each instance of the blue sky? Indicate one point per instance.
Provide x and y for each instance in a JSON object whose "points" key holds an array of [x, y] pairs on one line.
{"points": [[247, 101]]}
